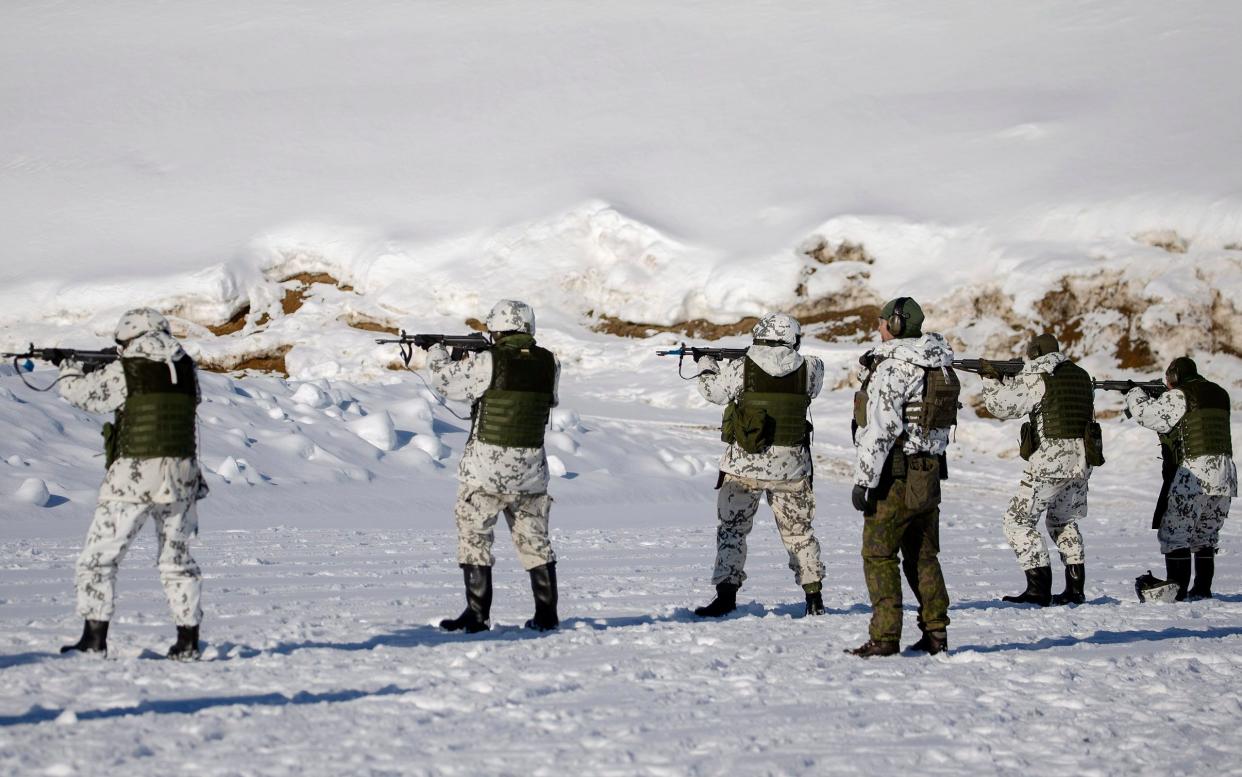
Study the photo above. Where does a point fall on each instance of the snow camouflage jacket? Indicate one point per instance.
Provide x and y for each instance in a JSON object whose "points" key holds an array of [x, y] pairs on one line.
{"points": [[1210, 475], [491, 468], [896, 380], [1017, 397], [142, 481], [721, 385]]}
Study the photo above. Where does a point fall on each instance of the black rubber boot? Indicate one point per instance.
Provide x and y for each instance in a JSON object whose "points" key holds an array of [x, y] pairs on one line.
{"points": [[478, 612], [724, 603], [1205, 568], [814, 598], [94, 639], [872, 648], [186, 647], [931, 643], [1038, 588], [1177, 569], [1075, 578], [543, 586]]}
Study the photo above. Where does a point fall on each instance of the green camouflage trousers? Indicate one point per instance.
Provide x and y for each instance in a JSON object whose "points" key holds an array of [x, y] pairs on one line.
{"points": [[793, 505], [113, 530], [914, 533], [527, 514]]}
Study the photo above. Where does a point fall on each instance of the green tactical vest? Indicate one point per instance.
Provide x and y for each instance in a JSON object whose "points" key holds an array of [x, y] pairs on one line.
{"points": [[779, 404], [1204, 429], [158, 417], [939, 405], [513, 412], [1068, 405]]}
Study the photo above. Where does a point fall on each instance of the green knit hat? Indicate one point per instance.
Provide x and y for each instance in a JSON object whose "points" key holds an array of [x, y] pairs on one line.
{"points": [[909, 312]]}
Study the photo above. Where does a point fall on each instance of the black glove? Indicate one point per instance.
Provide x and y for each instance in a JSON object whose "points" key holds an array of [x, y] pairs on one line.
{"points": [[988, 370], [1130, 386], [860, 498], [867, 360], [56, 355]]}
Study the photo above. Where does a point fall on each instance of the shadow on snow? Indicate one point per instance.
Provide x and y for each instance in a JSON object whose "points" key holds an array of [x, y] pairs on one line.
{"points": [[191, 706], [1107, 638]]}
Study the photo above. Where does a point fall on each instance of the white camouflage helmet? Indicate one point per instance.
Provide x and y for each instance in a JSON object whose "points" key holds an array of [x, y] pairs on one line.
{"points": [[779, 328], [510, 315], [140, 321]]}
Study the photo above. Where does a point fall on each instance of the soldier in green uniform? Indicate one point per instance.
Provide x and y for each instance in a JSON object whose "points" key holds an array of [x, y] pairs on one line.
{"points": [[902, 419], [512, 388], [1192, 419]]}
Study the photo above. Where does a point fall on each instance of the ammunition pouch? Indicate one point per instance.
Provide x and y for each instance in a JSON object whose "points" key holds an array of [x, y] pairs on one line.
{"points": [[112, 440], [860, 413], [922, 482], [748, 427], [1093, 443], [1028, 441]]}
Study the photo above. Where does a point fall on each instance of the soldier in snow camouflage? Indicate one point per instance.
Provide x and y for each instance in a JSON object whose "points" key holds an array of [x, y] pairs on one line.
{"points": [[152, 474], [902, 432], [1055, 479], [504, 467], [774, 380], [1192, 419]]}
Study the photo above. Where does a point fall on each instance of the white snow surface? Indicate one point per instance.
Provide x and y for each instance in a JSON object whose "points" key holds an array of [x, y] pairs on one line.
{"points": [[328, 561], [651, 162]]}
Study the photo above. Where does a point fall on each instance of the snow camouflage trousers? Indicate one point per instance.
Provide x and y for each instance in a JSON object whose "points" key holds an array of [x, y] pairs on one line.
{"points": [[477, 512], [895, 529], [1193, 518], [793, 505], [1065, 501], [113, 530]]}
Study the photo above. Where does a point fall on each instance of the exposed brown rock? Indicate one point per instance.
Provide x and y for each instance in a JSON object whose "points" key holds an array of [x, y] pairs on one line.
{"points": [[309, 278], [368, 325], [233, 325], [270, 360], [1166, 239]]}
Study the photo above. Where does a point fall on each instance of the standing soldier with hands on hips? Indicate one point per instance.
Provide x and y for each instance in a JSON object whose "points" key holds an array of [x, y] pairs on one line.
{"points": [[1060, 443], [153, 473], [1192, 419], [512, 388], [766, 394], [902, 417]]}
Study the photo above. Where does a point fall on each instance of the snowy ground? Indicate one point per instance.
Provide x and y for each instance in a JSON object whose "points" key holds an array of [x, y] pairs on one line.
{"points": [[325, 577]]}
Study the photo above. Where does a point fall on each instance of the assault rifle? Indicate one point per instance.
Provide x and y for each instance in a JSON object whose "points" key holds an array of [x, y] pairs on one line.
{"points": [[1007, 368], [90, 360], [682, 351], [458, 345], [1153, 388]]}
